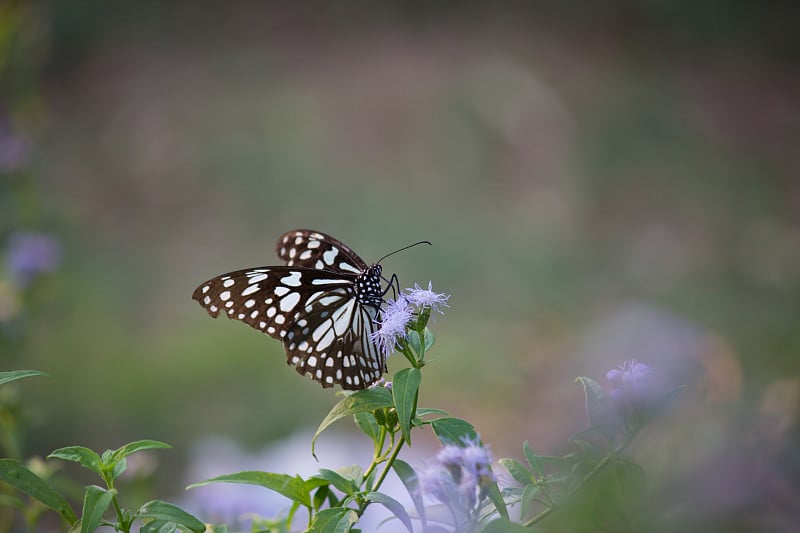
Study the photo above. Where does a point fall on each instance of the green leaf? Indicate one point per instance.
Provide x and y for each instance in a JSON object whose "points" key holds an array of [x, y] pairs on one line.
{"points": [[293, 488], [136, 446], [358, 402], [334, 520], [367, 423], [159, 526], [162, 511], [119, 467], [414, 341], [16, 474], [527, 499], [344, 484], [425, 411], [13, 375], [95, 503], [429, 339], [393, 505], [536, 463], [496, 497], [409, 478], [405, 386], [87, 458], [450, 430], [520, 474], [320, 496], [599, 410], [502, 525]]}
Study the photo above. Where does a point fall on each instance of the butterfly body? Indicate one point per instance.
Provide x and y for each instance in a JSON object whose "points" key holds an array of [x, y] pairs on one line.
{"points": [[323, 305]]}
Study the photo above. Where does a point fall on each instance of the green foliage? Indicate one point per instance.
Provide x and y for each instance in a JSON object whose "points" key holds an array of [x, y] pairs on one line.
{"points": [[17, 475], [8, 377], [547, 487]]}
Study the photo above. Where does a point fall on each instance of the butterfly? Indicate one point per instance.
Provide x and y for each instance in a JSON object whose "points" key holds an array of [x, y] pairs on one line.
{"points": [[323, 305]]}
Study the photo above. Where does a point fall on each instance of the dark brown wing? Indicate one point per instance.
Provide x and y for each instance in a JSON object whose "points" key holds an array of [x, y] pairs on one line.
{"points": [[314, 249], [315, 313]]}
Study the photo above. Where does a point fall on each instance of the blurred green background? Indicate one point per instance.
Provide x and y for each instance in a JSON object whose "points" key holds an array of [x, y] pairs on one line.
{"points": [[600, 183]]}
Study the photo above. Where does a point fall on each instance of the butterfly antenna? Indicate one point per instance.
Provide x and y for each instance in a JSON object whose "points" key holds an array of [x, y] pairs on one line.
{"points": [[403, 248]]}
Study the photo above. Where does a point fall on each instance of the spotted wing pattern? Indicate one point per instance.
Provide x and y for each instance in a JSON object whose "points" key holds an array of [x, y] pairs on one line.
{"points": [[324, 316], [312, 249]]}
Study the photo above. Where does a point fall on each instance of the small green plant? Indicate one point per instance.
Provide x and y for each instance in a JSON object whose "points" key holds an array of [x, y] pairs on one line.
{"points": [[457, 490]]}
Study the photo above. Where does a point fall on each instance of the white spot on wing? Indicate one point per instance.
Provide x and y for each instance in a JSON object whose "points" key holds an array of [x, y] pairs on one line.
{"points": [[330, 256], [250, 290], [257, 278], [292, 280], [288, 302]]}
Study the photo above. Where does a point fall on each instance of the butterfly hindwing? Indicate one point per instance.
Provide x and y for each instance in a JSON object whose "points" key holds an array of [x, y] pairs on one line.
{"points": [[330, 342]]}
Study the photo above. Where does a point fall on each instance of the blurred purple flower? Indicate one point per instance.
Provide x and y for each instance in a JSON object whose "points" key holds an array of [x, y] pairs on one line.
{"points": [[427, 298], [631, 385], [393, 325], [14, 151], [459, 477], [32, 254]]}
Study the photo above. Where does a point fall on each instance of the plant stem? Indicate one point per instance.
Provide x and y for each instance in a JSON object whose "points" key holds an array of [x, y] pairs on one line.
{"points": [[599, 466], [389, 463], [377, 453]]}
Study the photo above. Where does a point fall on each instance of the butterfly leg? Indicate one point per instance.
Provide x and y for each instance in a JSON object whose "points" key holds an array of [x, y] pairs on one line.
{"points": [[392, 283]]}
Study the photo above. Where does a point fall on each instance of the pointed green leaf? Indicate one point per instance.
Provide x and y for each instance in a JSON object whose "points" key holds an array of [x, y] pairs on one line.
{"points": [[139, 445], [119, 467], [429, 339], [159, 526], [162, 511], [405, 386], [496, 497], [393, 505], [409, 479], [344, 484], [367, 423], [527, 499], [535, 462], [16, 474], [425, 411], [599, 410], [521, 475], [320, 496], [95, 503], [360, 401], [13, 375], [334, 520], [87, 458], [450, 430], [415, 342], [293, 488]]}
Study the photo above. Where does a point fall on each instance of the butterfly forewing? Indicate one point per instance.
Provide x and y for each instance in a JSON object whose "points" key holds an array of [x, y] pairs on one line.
{"points": [[312, 249], [323, 316]]}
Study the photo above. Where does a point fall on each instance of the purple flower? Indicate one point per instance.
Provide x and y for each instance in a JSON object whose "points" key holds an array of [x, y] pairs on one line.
{"points": [[393, 325], [631, 385], [427, 298], [14, 151], [32, 254], [459, 477]]}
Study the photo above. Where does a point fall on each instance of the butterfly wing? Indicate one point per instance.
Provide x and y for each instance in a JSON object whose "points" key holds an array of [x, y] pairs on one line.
{"points": [[315, 313], [314, 249]]}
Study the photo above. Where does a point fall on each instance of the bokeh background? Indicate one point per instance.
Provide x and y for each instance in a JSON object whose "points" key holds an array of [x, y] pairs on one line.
{"points": [[600, 182]]}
